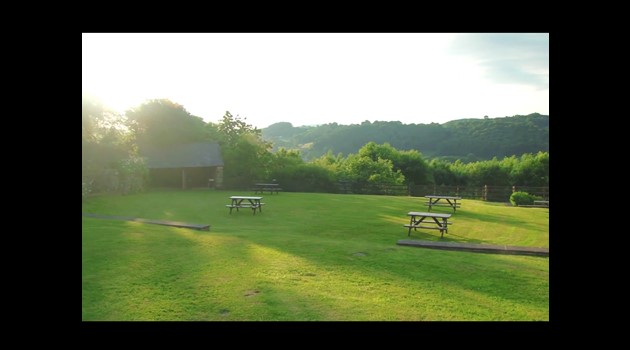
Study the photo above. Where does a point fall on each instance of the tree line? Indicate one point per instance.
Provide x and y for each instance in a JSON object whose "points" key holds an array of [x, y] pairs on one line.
{"points": [[464, 139], [113, 145]]}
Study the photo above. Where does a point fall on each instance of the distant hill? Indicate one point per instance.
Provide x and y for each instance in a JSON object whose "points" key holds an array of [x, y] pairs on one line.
{"points": [[465, 139]]}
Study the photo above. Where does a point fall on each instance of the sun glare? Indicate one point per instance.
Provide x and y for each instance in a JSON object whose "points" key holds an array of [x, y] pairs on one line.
{"points": [[119, 80], [116, 94], [315, 78]]}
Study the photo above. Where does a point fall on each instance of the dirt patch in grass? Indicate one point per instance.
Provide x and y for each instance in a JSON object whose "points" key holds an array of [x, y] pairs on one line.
{"points": [[251, 293]]}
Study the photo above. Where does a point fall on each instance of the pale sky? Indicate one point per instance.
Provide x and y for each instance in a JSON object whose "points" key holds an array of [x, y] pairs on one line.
{"points": [[319, 78]]}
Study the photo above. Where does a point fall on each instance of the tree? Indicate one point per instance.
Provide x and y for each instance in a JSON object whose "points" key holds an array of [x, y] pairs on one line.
{"points": [[442, 173], [375, 151], [410, 163], [162, 123], [246, 156], [213, 133], [413, 167], [289, 169], [531, 170], [106, 150], [286, 160], [363, 172], [329, 161], [466, 139], [489, 172], [233, 127], [284, 129]]}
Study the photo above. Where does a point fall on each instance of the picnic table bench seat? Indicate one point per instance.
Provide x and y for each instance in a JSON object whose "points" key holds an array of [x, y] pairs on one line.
{"points": [[244, 205], [458, 205]]}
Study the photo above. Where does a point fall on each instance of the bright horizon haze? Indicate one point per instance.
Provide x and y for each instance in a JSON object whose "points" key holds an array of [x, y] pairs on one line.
{"points": [[320, 78]]}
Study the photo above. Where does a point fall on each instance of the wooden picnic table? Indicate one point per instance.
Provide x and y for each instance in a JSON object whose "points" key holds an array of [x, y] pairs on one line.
{"points": [[436, 221], [262, 187], [252, 202], [449, 201]]}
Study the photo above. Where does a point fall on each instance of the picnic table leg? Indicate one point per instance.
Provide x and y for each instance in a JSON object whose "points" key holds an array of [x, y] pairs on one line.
{"points": [[414, 222], [452, 204], [439, 225], [411, 223], [253, 205], [444, 226]]}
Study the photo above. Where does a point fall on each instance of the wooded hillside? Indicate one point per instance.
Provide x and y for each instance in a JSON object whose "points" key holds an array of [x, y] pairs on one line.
{"points": [[465, 139]]}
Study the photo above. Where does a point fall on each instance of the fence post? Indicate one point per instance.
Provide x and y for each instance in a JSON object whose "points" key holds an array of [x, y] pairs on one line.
{"points": [[485, 192], [513, 188]]}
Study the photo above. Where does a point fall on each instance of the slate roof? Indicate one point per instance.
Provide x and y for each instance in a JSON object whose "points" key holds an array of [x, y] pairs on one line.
{"points": [[192, 155]]}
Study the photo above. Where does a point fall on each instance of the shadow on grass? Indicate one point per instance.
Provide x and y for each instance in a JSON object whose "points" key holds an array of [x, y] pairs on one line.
{"points": [[482, 273], [436, 236], [498, 218], [349, 247]]}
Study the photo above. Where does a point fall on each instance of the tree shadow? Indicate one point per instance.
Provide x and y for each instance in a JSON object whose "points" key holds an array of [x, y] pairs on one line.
{"points": [[349, 248]]}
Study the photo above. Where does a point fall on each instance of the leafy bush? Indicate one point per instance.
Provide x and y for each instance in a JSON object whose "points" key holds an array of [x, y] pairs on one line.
{"points": [[106, 180], [522, 198], [133, 173], [306, 178]]}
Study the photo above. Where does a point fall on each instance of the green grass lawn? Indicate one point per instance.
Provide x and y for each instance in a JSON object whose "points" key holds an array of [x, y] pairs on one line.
{"points": [[307, 256]]}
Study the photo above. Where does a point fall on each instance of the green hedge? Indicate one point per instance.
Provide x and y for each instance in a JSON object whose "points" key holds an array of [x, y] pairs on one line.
{"points": [[522, 198]]}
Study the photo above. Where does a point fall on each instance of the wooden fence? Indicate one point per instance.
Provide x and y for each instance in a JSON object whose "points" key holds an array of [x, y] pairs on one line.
{"points": [[486, 193]]}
